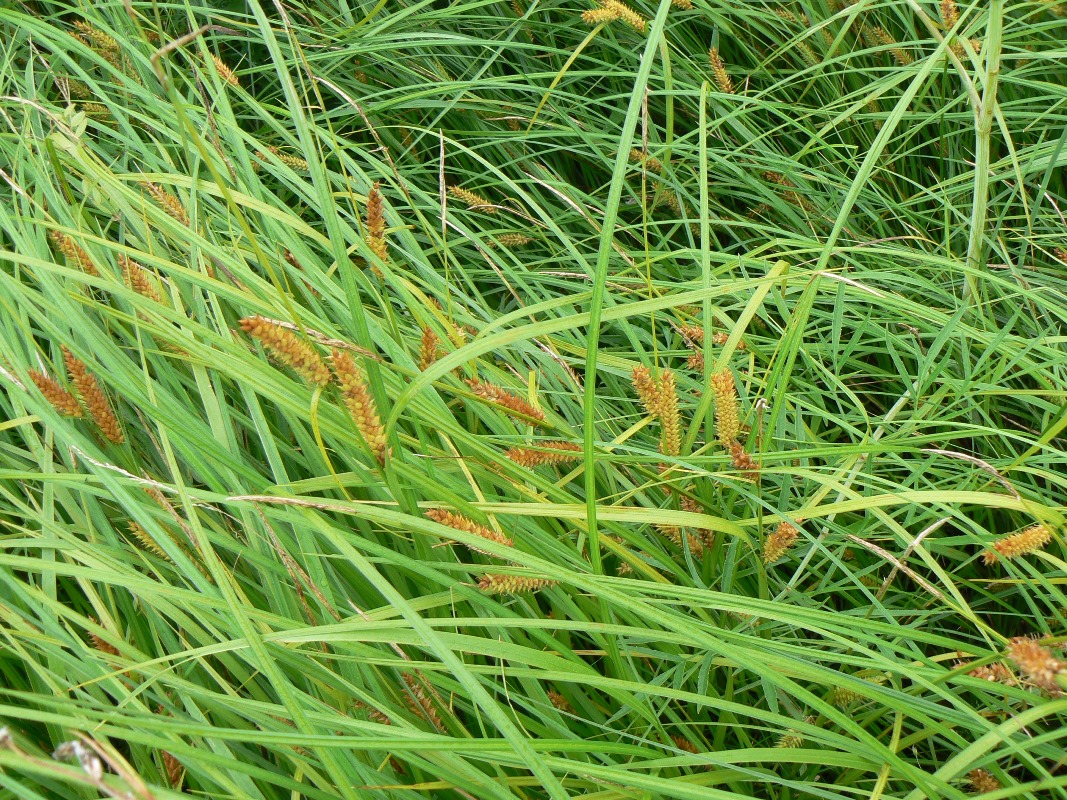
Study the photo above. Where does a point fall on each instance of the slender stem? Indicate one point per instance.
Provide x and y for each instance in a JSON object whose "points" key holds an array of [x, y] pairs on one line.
{"points": [[975, 246]]}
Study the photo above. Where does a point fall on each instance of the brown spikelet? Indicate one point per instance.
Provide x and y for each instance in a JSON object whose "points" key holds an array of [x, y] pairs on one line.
{"points": [[288, 348], [980, 781], [997, 672], [1019, 544], [692, 333], [74, 252], [683, 744], [599, 16], [293, 162], [744, 463], [60, 399], [883, 37], [146, 541], [950, 14], [668, 413], [646, 388], [420, 703], [695, 361], [224, 71], [429, 349], [684, 5], [513, 584], [779, 542], [100, 643], [93, 397], [559, 701], [626, 14], [374, 715], [174, 769], [1035, 663], [507, 402], [136, 277], [360, 404], [168, 202], [727, 420], [472, 199], [718, 71], [517, 9], [545, 453], [674, 533], [101, 42], [512, 240], [786, 15], [722, 338], [461, 523], [376, 223], [650, 163]]}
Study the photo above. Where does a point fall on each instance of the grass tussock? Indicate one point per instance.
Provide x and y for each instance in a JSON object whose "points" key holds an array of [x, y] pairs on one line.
{"points": [[615, 400]]}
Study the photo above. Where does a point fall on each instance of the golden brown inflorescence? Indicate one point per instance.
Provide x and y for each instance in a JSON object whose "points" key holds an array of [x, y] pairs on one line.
{"points": [[696, 544], [744, 463], [981, 781], [779, 542], [174, 769], [100, 643], [420, 702], [293, 162], [727, 419], [137, 278], [60, 399], [510, 240], [146, 541], [467, 525], [360, 403], [650, 163], [1036, 663], [1019, 544], [545, 453], [167, 201], [93, 397], [660, 399], [505, 400], [288, 348], [559, 701], [513, 584], [611, 10], [74, 253], [472, 199], [224, 71], [376, 223], [883, 37], [429, 349], [718, 71]]}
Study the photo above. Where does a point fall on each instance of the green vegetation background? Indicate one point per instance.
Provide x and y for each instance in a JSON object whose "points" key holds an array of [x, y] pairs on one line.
{"points": [[221, 581]]}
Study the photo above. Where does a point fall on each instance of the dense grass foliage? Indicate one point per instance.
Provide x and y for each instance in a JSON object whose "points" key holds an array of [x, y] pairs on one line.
{"points": [[476, 400]]}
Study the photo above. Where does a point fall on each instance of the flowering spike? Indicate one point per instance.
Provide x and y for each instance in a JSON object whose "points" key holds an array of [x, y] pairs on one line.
{"points": [[461, 523], [61, 400], [779, 542], [360, 404], [508, 402], [513, 584], [1019, 544], [94, 398], [288, 348]]}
